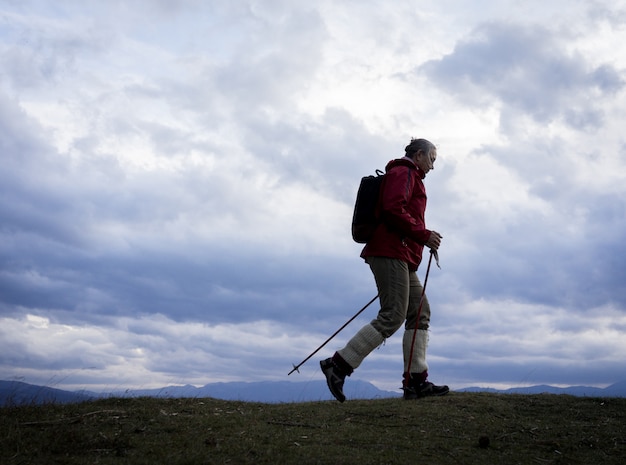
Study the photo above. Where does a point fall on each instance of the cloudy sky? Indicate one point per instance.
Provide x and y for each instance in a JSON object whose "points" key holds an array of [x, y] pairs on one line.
{"points": [[178, 176]]}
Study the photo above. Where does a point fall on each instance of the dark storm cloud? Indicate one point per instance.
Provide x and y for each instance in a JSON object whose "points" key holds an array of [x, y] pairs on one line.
{"points": [[56, 259], [529, 70]]}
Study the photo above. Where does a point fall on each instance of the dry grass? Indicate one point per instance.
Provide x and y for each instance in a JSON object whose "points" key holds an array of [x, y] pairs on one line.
{"points": [[544, 429]]}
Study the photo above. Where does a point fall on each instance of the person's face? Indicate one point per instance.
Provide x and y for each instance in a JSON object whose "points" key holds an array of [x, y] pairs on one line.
{"points": [[426, 161]]}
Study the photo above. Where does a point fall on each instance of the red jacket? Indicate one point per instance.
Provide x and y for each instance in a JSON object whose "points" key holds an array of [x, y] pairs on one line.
{"points": [[402, 232]]}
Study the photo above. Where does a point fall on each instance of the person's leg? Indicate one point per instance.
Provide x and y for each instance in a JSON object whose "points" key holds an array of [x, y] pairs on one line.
{"points": [[346, 360], [359, 347], [418, 306], [392, 280], [415, 344]]}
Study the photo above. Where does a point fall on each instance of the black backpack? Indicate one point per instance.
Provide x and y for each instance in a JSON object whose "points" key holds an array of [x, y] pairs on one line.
{"points": [[364, 220]]}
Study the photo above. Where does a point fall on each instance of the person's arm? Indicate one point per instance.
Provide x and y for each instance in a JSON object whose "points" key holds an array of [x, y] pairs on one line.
{"points": [[397, 189]]}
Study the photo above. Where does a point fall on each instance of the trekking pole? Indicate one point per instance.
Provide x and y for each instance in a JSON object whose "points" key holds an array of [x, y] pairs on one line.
{"points": [[295, 367], [419, 312]]}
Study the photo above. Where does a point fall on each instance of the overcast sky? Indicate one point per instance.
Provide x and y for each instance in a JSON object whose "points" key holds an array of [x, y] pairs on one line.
{"points": [[178, 176]]}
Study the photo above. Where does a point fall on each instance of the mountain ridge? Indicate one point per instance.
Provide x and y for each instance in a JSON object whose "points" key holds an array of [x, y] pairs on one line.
{"points": [[20, 393]]}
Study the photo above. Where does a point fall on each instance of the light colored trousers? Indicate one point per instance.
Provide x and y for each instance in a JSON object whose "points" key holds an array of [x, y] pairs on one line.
{"points": [[399, 292]]}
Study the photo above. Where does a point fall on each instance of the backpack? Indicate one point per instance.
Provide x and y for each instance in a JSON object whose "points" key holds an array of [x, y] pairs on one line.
{"points": [[364, 220]]}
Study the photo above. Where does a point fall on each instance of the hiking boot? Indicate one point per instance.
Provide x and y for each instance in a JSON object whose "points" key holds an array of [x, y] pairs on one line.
{"points": [[425, 389], [334, 378]]}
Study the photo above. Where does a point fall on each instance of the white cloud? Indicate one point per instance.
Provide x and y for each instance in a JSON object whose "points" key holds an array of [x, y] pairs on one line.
{"points": [[147, 352]]}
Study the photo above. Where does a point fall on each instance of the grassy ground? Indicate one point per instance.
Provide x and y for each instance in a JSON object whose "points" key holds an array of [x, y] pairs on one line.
{"points": [[545, 429]]}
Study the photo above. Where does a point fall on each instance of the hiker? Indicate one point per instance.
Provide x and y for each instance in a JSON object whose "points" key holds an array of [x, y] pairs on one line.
{"points": [[394, 253]]}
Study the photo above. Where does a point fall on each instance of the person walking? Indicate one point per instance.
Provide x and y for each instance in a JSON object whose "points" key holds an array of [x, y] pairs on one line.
{"points": [[394, 253]]}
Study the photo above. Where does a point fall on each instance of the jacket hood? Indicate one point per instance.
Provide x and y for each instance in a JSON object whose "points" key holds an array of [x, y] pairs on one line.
{"points": [[405, 161]]}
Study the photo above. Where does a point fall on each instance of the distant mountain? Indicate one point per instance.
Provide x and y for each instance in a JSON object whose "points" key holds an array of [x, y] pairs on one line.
{"points": [[18, 393], [265, 391], [614, 390]]}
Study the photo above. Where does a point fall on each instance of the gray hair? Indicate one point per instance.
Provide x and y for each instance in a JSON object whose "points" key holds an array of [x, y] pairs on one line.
{"points": [[418, 145]]}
